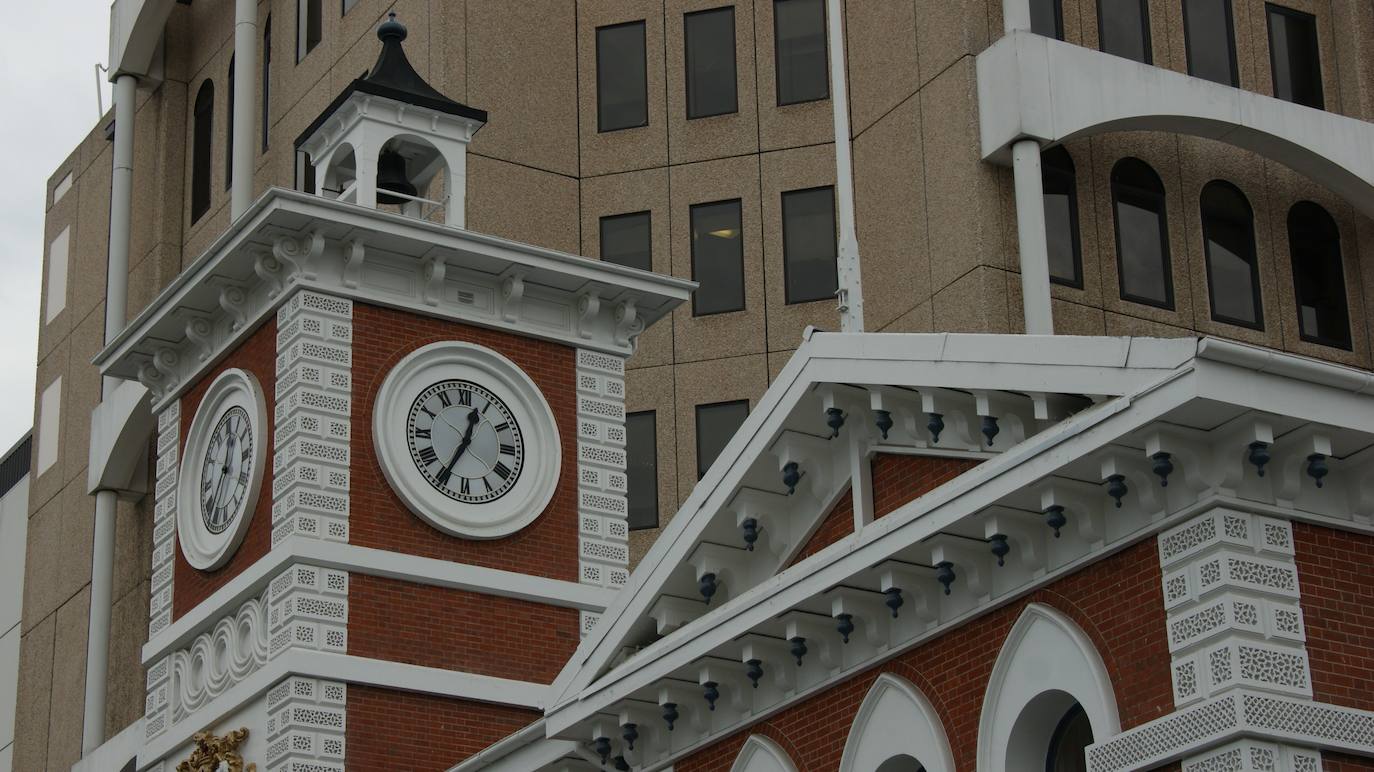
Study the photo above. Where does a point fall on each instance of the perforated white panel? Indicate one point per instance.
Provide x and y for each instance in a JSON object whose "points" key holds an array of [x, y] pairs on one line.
{"points": [[603, 509], [306, 720]]}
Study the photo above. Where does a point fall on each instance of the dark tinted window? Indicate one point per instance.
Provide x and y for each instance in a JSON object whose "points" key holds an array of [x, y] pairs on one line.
{"points": [[1061, 217], [229, 140], [1228, 232], [305, 172], [266, 79], [808, 244], [716, 424], [1142, 234], [1123, 28], [800, 53], [309, 27], [202, 131], [1314, 244], [1293, 56], [1047, 18], [1210, 39], [1069, 742], [641, 466], [710, 44], [622, 97], [717, 258], [625, 240]]}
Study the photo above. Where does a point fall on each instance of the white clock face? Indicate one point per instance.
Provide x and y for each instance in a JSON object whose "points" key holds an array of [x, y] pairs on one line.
{"points": [[221, 469], [227, 470], [465, 441]]}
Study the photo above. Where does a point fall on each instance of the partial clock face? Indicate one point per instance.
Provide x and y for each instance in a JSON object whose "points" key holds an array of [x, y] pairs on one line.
{"points": [[465, 441], [227, 470]]}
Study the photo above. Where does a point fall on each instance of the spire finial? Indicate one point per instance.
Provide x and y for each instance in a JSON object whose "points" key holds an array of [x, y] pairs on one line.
{"points": [[391, 29]]}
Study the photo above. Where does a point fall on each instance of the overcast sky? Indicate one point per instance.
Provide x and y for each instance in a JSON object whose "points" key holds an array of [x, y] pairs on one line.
{"points": [[48, 93]]}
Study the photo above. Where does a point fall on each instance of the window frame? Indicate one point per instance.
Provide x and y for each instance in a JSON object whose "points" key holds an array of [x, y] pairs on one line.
{"points": [[303, 18], [653, 431], [687, 61], [1058, 20], [229, 131], [1059, 732], [202, 187], [1348, 344], [266, 117], [1147, 44], [1074, 226], [1257, 297], [744, 294], [601, 235], [1230, 44], [777, 56], [834, 232], [1163, 219], [644, 33], [1283, 10], [696, 427]]}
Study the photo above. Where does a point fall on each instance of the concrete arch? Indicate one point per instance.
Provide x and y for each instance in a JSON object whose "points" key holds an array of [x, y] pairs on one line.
{"points": [[761, 754], [896, 720], [1033, 86], [1046, 665]]}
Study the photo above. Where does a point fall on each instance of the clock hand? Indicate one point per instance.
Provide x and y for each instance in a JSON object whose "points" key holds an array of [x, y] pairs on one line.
{"points": [[447, 471], [224, 470]]}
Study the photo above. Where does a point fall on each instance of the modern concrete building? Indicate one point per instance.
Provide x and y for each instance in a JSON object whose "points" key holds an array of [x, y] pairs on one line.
{"points": [[1106, 172]]}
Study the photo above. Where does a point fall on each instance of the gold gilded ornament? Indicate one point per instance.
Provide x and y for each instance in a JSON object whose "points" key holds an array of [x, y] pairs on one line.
{"points": [[212, 751]]}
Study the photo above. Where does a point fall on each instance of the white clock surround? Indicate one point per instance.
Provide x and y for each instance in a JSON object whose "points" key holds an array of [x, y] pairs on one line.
{"points": [[461, 361], [233, 389]]}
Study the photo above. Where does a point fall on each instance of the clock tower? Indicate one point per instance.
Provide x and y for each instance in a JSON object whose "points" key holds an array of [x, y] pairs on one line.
{"points": [[391, 489]]}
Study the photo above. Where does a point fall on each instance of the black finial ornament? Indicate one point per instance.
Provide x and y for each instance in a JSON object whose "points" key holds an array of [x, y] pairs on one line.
{"points": [[944, 574], [935, 425], [798, 648], [1163, 467], [990, 428], [893, 600], [791, 475], [1259, 456], [750, 527], [1316, 468], [711, 693], [1000, 547], [602, 747], [844, 623], [670, 714], [1116, 488], [630, 733], [621, 764], [754, 671], [883, 420], [1054, 518], [391, 29], [706, 585], [834, 418]]}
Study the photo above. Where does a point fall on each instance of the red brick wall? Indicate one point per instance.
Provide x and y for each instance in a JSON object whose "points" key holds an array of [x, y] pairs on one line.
{"points": [[439, 627], [1338, 611], [407, 732], [257, 355], [1116, 601], [836, 525], [378, 518], [898, 479]]}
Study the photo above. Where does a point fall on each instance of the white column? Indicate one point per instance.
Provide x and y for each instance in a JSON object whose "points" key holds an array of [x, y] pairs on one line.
{"points": [[847, 259], [1030, 232], [245, 83], [1015, 15], [116, 298]]}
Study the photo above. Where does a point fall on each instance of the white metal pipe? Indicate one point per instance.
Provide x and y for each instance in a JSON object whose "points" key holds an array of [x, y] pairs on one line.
{"points": [[98, 641], [850, 279], [245, 65], [1015, 15], [121, 207], [1030, 233]]}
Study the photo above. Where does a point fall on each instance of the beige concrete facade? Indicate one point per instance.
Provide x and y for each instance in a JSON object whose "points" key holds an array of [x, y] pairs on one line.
{"points": [[936, 224]]}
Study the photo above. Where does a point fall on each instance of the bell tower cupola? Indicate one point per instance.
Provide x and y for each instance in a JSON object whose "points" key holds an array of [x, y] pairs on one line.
{"points": [[392, 141]]}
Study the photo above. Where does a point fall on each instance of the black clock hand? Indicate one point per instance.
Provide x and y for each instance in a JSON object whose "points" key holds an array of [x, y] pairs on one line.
{"points": [[447, 471], [224, 469]]}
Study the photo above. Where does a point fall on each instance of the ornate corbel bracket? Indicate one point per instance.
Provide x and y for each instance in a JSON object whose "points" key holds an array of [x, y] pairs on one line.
{"points": [[234, 301], [301, 252], [588, 308], [628, 323], [201, 334], [269, 269], [432, 271], [353, 264], [512, 293]]}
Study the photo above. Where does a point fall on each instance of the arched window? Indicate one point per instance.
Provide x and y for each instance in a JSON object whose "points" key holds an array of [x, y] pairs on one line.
{"points": [[896, 730], [761, 754], [1071, 738], [203, 126], [1314, 242], [229, 133], [902, 763], [1059, 181], [1228, 234], [1123, 29], [1142, 234]]}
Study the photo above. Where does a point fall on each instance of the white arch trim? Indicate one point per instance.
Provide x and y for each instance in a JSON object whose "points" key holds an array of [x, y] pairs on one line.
{"points": [[1045, 665], [1033, 86], [761, 754], [896, 719]]}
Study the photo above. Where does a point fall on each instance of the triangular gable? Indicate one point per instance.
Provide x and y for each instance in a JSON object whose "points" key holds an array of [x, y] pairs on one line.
{"points": [[907, 374]]}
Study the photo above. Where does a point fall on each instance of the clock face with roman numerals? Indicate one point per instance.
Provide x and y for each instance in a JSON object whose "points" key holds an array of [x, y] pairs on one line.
{"points": [[465, 441], [227, 470]]}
